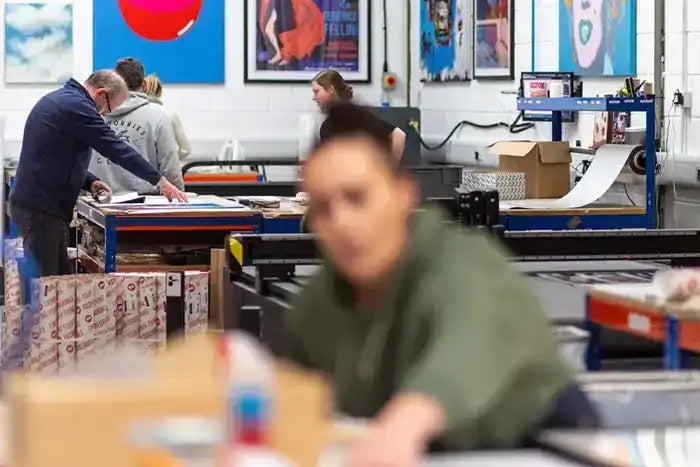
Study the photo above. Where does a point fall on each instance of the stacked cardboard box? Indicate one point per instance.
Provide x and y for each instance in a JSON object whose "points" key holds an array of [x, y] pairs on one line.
{"points": [[81, 316], [12, 250]]}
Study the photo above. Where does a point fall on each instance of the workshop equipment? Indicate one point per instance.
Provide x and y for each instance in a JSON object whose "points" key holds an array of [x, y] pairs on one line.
{"points": [[622, 218], [128, 237], [235, 184], [433, 181]]}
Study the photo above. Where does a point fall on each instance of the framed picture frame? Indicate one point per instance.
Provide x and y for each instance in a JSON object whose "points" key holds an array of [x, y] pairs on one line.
{"points": [[446, 41], [290, 41], [39, 47], [494, 32]]}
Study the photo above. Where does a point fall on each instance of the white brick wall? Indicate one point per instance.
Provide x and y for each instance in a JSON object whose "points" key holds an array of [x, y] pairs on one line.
{"points": [[213, 114], [259, 113]]}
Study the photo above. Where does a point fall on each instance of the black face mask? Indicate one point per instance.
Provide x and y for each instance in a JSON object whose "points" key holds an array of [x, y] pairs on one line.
{"points": [[107, 109]]}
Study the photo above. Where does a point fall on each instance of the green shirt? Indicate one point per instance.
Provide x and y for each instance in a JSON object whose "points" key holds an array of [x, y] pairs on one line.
{"points": [[456, 323]]}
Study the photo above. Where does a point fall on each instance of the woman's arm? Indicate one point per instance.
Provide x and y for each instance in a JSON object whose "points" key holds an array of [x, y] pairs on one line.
{"points": [[398, 143], [182, 142], [401, 433]]}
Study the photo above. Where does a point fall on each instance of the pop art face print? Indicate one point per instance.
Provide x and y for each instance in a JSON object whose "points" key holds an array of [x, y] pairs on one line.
{"points": [[598, 37]]}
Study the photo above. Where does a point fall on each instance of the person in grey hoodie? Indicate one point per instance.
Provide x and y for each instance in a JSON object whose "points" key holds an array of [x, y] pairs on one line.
{"points": [[147, 128]]}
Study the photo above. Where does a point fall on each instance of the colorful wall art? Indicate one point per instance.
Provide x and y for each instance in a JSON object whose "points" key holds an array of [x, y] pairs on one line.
{"points": [[494, 25], [598, 37], [38, 42], [292, 40], [183, 41], [445, 30]]}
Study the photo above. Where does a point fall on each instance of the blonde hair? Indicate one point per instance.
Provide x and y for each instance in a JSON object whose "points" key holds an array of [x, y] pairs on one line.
{"points": [[332, 80], [152, 85]]}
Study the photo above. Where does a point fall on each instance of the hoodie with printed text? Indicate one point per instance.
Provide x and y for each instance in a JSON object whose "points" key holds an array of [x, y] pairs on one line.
{"points": [[147, 128]]}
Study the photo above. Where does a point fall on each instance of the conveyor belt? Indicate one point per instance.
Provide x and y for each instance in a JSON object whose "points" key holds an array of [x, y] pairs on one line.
{"points": [[283, 249], [603, 244]]}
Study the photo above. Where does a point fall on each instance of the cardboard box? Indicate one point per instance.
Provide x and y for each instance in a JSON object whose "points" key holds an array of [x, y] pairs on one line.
{"points": [[186, 381], [84, 309], [66, 323], [546, 165], [196, 302], [43, 351], [148, 318], [216, 289], [13, 285]]}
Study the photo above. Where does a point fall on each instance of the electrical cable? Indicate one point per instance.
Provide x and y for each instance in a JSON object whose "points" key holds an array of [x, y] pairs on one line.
{"points": [[385, 67], [624, 185], [513, 128]]}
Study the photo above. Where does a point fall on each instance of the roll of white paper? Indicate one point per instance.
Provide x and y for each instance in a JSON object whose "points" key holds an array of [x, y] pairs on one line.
{"points": [[606, 165]]}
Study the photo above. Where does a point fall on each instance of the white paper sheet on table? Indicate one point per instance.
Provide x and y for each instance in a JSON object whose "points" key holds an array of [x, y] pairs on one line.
{"points": [[262, 199], [162, 201], [607, 164]]}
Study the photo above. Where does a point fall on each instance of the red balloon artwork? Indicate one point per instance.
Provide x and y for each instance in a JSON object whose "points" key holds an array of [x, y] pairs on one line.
{"points": [[160, 20]]}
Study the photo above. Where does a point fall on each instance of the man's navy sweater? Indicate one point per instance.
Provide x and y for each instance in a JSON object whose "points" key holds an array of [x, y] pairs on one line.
{"points": [[53, 163]]}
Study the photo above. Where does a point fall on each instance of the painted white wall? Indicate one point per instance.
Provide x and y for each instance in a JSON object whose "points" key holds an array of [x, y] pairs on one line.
{"points": [[266, 117]]}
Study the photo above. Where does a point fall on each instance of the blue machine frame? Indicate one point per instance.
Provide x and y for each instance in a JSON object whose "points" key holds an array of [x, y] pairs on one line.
{"points": [[111, 223], [674, 358], [599, 104]]}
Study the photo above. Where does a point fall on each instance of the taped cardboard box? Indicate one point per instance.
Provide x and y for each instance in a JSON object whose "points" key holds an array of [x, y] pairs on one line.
{"points": [[546, 165]]}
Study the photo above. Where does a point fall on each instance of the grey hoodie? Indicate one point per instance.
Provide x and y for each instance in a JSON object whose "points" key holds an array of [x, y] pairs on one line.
{"points": [[146, 127]]}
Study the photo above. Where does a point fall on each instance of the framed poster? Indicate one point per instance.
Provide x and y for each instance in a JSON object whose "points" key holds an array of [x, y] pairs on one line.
{"points": [[494, 30], [183, 41], [446, 41], [598, 38], [290, 41], [39, 42]]}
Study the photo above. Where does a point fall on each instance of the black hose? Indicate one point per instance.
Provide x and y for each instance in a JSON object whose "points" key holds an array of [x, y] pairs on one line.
{"points": [[513, 128]]}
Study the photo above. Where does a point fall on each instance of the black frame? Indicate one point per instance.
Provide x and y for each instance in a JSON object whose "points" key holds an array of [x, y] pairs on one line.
{"points": [[511, 45], [248, 80], [566, 116]]}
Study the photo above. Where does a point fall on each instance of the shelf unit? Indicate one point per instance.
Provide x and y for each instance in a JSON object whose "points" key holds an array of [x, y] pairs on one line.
{"points": [[610, 104]]}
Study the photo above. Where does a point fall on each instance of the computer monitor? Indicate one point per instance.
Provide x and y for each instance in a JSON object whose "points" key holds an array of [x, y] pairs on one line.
{"points": [[537, 84]]}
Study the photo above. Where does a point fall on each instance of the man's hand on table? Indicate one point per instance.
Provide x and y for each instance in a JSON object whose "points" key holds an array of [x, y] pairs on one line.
{"points": [[100, 188], [170, 192]]}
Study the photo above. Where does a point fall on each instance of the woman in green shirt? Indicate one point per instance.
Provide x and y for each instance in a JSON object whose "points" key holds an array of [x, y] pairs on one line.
{"points": [[423, 328]]}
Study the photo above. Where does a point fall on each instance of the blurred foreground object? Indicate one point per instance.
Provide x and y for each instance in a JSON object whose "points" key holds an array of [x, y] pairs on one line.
{"points": [[82, 421], [678, 284]]}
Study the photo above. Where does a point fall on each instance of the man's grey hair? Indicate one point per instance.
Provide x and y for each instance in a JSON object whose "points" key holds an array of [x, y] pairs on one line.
{"points": [[108, 80]]}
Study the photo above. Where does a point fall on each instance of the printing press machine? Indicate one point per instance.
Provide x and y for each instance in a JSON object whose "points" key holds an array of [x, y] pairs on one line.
{"points": [[265, 272], [435, 181]]}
